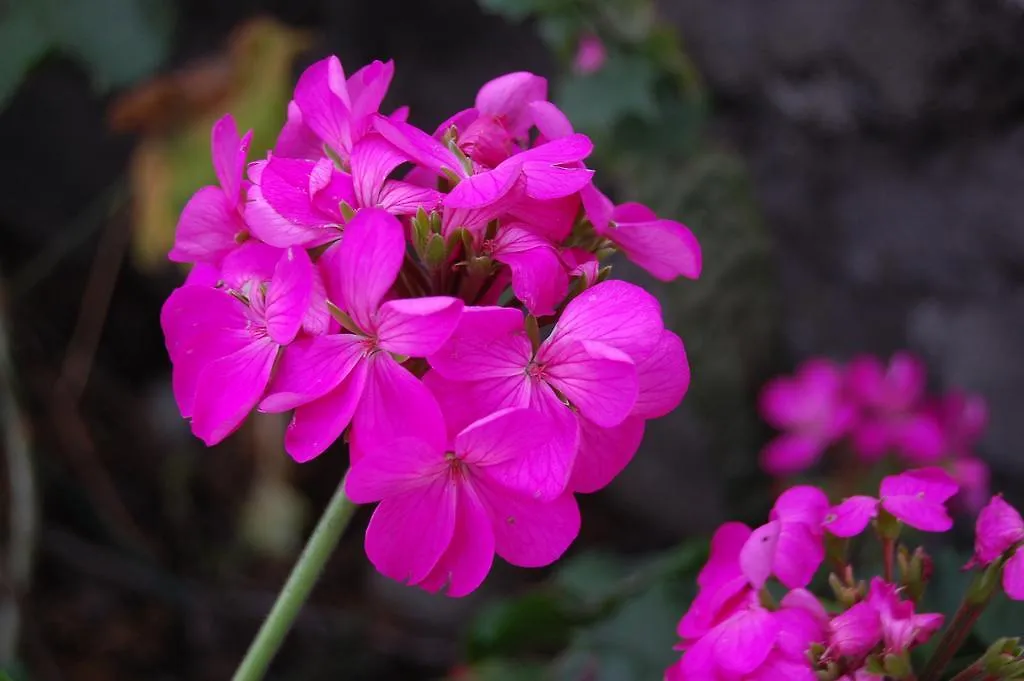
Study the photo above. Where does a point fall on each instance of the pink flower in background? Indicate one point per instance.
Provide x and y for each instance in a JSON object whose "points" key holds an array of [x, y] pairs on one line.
{"points": [[813, 411], [444, 512], [892, 417], [1000, 530], [352, 376], [789, 546], [211, 224], [590, 55], [224, 342], [508, 98], [917, 498]]}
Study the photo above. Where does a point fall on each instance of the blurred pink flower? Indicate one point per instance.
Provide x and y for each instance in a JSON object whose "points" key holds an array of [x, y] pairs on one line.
{"points": [[917, 498], [590, 55]]}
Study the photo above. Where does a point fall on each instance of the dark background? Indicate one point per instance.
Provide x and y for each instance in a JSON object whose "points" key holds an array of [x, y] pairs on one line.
{"points": [[881, 146]]}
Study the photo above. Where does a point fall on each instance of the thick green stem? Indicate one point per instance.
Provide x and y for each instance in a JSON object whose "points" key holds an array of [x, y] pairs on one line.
{"points": [[296, 590], [976, 672]]}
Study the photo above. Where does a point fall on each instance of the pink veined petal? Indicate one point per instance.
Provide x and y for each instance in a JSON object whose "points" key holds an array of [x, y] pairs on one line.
{"points": [[317, 320], [551, 219], [373, 159], [503, 436], [288, 185], [597, 379], [296, 140], [932, 483], [509, 96], [662, 378], [310, 368], [919, 513], [999, 527], [604, 453], [251, 262], [288, 295], [791, 453], [545, 181], [723, 559], [529, 532], [743, 642], [229, 151], [316, 425], [485, 188], [229, 388], [367, 264], [395, 404], [420, 147], [1013, 576], [598, 208], [470, 554], [207, 229], [801, 504], [798, 629], [475, 220], [417, 327], [322, 98], [368, 86], [665, 248], [550, 120], [539, 278], [777, 667], [851, 516], [616, 313], [799, 553], [633, 212], [489, 342], [404, 465], [758, 553], [270, 226], [409, 533], [563, 151], [403, 198], [463, 402]]}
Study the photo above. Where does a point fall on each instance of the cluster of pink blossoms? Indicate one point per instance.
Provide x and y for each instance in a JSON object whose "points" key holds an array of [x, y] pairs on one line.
{"points": [[437, 298], [736, 630], [874, 410]]}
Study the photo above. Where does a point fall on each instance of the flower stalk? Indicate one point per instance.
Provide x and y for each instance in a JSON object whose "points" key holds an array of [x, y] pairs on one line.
{"points": [[303, 577]]}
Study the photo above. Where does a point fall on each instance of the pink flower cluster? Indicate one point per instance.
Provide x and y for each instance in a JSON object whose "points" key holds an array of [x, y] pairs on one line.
{"points": [[438, 299], [874, 410], [736, 630]]}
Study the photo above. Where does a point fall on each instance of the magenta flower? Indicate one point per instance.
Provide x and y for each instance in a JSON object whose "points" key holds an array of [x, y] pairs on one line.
{"points": [[445, 511], [999, 531], [902, 628], [223, 342], [917, 498], [855, 632], [811, 408], [539, 278], [337, 111], [590, 55], [352, 376], [723, 586], [296, 140], [211, 224], [508, 98], [790, 544], [892, 418]]}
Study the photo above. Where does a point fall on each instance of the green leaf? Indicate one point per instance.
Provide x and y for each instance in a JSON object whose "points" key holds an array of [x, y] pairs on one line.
{"points": [[623, 88]]}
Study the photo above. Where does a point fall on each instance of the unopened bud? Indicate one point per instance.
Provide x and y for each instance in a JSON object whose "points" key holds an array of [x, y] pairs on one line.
{"points": [[916, 570], [435, 252], [985, 584], [347, 211], [1003, 658], [847, 595]]}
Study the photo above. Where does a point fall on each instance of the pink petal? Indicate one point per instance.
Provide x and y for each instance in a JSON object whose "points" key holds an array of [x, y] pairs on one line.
{"points": [[798, 555], [310, 368], [502, 436], [743, 642], [395, 404], [251, 262], [550, 120], [777, 667], [598, 208], [409, 533], [538, 276], [420, 147], [758, 553], [463, 402], [229, 388], [662, 378], [723, 559], [856, 631], [270, 226], [288, 295], [509, 97], [207, 229], [203, 274], [545, 181], [919, 513], [791, 453], [528, 532], [921, 439], [403, 198], [597, 379], [616, 313], [322, 97], [633, 212], [296, 140], [1013, 576], [417, 327], [931, 483], [373, 159], [489, 342], [368, 86], [801, 504], [484, 188], [551, 219], [604, 453], [665, 248], [229, 151], [563, 151], [317, 320], [288, 185], [850, 517], [999, 527], [367, 263], [404, 465], [468, 558], [316, 425]]}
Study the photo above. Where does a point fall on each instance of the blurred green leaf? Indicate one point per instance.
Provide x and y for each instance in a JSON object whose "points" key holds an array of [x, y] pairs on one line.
{"points": [[589, 577], [509, 670], [530, 623], [25, 40], [623, 88]]}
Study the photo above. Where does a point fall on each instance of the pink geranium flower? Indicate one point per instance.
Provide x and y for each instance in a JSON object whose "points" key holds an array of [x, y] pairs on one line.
{"points": [[353, 375], [790, 544], [902, 627], [211, 224], [999, 531], [507, 98], [892, 417], [223, 342], [917, 498], [722, 585], [855, 632], [445, 511], [811, 408]]}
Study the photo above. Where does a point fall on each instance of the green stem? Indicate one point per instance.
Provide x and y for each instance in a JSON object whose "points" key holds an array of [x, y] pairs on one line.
{"points": [[976, 672], [954, 636], [296, 590]]}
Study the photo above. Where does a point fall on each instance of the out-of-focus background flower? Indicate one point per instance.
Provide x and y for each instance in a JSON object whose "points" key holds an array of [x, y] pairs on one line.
{"points": [[853, 169]]}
